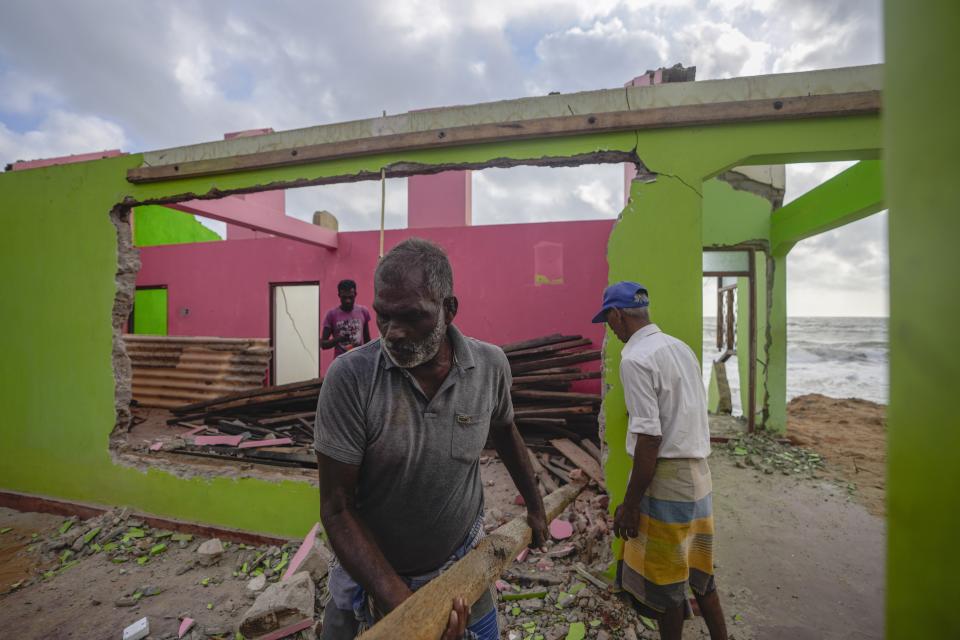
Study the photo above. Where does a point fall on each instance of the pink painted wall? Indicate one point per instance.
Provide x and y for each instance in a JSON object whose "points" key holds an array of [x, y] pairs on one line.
{"points": [[223, 288], [440, 200]]}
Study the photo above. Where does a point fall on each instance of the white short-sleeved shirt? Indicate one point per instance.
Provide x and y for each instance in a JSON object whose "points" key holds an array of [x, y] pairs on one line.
{"points": [[663, 389]]}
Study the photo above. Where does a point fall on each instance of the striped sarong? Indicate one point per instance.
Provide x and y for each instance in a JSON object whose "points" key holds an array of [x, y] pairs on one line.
{"points": [[674, 546]]}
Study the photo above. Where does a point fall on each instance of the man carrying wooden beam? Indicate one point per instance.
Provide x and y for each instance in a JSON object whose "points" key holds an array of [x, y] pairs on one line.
{"points": [[666, 518], [401, 423]]}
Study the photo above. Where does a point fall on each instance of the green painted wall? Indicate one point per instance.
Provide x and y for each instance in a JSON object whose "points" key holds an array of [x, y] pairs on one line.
{"points": [[731, 217], [156, 225], [70, 250], [150, 312], [58, 229], [922, 134], [776, 352]]}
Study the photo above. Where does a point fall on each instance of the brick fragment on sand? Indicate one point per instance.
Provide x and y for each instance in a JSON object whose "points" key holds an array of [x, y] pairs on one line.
{"points": [[283, 604], [209, 552], [561, 529], [523, 554], [312, 557], [185, 626], [519, 501]]}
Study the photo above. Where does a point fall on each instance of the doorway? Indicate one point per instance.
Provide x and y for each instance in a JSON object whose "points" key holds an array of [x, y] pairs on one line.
{"points": [[295, 331]]}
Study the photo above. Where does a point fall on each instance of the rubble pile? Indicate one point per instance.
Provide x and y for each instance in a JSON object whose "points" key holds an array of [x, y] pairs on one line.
{"points": [[768, 455], [562, 592]]}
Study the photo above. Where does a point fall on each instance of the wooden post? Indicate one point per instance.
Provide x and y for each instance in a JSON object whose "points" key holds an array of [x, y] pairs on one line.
{"points": [[731, 322], [720, 314], [424, 615]]}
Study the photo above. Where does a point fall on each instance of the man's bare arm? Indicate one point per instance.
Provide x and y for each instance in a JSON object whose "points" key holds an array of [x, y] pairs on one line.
{"points": [[352, 541], [513, 452], [626, 521], [326, 339]]}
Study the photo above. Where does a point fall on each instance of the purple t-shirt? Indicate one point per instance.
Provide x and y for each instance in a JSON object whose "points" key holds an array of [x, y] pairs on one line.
{"points": [[346, 323]]}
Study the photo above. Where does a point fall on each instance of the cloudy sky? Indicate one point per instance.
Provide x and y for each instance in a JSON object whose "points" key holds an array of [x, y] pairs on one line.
{"points": [[77, 77]]}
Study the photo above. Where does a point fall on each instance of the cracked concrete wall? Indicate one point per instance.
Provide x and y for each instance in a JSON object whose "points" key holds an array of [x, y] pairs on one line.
{"points": [[128, 264], [62, 393]]}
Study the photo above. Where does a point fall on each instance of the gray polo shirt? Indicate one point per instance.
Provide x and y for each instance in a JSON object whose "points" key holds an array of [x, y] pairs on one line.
{"points": [[419, 489]]}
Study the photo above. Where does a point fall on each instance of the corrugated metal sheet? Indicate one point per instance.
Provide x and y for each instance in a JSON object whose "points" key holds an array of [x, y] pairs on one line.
{"points": [[169, 371]]}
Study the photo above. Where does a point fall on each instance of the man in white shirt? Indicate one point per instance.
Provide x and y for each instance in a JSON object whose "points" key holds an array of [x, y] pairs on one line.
{"points": [[666, 518]]}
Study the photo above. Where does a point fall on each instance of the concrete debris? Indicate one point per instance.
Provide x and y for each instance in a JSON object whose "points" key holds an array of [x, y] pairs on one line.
{"points": [[283, 604], [210, 552], [317, 561], [138, 630], [257, 584]]}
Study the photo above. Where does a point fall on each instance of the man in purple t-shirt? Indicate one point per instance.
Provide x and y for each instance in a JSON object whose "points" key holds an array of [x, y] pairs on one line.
{"points": [[348, 325]]}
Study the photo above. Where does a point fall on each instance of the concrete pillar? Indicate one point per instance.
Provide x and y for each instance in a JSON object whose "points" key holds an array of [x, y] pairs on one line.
{"points": [[273, 201], [921, 134], [672, 271], [440, 200]]}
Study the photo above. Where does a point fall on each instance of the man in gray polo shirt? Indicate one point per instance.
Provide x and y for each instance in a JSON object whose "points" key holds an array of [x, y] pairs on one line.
{"points": [[401, 422]]}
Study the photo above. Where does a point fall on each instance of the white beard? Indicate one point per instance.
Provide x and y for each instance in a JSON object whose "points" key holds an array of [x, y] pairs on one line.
{"points": [[414, 354]]}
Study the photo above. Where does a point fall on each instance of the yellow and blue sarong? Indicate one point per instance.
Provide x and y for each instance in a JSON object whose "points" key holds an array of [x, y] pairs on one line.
{"points": [[674, 546]]}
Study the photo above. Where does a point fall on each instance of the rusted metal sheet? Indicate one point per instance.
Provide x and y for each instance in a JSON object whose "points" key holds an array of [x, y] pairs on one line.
{"points": [[169, 371]]}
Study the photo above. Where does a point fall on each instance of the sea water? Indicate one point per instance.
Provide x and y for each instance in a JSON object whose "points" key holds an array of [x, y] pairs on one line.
{"points": [[837, 357]]}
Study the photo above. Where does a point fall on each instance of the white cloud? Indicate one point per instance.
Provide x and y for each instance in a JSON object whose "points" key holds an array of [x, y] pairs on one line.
{"points": [[153, 74], [60, 133]]}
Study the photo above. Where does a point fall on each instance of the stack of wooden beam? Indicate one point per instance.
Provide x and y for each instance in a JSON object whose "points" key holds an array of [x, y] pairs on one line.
{"points": [[272, 425], [558, 425], [544, 369]]}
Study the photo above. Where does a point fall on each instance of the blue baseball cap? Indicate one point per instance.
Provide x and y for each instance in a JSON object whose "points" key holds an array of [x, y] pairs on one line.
{"points": [[622, 295]]}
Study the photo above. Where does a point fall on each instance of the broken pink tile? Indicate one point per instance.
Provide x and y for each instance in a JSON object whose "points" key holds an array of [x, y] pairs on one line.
{"points": [[273, 442], [523, 554], [519, 500], [156, 446], [304, 549], [561, 529], [184, 627], [230, 441], [502, 586], [194, 431]]}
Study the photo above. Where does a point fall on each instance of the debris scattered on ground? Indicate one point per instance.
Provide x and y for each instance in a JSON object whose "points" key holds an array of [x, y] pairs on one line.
{"points": [[766, 454], [286, 603]]}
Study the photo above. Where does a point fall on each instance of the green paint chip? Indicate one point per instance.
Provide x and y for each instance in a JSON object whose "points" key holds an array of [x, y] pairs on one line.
{"points": [[6, 530], [158, 549], [577, 588], [90, 535], [524, 595], [142, 560], [515, 611], [648, 623], [576, 631], [529, 627], [181, 537], [65, 526], [595, 623], [209, 605]]}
